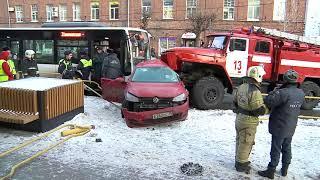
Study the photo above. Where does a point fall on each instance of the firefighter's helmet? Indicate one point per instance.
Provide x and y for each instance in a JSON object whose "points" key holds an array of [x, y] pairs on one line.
{"points": [[256, 72], [29, 54], [291, 76]]}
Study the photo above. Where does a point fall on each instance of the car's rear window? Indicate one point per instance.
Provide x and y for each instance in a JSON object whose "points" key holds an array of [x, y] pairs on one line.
{"points": [[155, 75]]}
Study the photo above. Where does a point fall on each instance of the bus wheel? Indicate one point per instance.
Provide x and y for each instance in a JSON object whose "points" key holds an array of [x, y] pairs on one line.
{"points": [[310, 89], [207, 93]]}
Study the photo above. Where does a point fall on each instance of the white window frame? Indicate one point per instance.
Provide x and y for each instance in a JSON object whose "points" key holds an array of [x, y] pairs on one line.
{"points": [[62, 12], [191, 9], [19, 14], [145, 8], [279, 10], [166, 8], [34, 13], [253, 4], [112, 12], [49, 12], [95, 11], [228, 7], [76, 12]]}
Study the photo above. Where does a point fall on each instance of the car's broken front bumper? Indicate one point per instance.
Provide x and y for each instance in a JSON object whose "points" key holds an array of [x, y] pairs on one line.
{"points": [[145, 118]]}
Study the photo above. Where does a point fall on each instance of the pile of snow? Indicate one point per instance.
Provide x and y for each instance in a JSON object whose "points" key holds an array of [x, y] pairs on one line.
{"points": [[206, 137], [37, 83]]}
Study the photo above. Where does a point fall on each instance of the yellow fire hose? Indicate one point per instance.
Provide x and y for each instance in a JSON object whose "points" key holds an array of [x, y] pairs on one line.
{"points": [[74, 131]]}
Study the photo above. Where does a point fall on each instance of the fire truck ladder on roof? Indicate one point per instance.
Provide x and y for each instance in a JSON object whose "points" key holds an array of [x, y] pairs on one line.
{"points": [[303, 39]]}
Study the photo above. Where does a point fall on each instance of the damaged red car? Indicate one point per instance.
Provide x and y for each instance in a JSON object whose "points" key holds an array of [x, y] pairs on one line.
{"points": [[153, 94]]}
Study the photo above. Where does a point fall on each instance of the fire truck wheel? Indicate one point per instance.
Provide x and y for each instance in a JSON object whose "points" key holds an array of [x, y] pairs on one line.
{"points": [[310, 89], [207, 93]]}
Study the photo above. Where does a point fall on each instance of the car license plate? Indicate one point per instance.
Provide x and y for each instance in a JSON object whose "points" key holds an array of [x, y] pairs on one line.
{"points": [[162, 115]]}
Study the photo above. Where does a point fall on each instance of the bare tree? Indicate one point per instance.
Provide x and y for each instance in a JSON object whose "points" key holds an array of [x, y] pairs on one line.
{"points": [[144, 22], [200, 22]]}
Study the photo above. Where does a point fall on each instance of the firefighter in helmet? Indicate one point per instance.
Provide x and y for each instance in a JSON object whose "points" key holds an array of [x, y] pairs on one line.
{"points": [[249, 104], [29, 65]]}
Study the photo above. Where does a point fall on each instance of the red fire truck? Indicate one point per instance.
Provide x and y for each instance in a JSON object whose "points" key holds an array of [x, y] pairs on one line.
{"points": [[211, 72]]}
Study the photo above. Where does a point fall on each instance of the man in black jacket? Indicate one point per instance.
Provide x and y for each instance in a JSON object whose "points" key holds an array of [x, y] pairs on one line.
{"points": [[285, 106], [97, 63], [111, 67]]}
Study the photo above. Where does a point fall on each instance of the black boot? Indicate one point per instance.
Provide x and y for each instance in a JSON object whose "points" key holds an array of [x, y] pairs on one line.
{"points": [[243, 167], [284, 169], [269, 173]]}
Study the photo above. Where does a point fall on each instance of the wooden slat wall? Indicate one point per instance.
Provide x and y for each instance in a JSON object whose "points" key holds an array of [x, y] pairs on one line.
{"points": [[63, 99], [18, 106], [18, 100]]}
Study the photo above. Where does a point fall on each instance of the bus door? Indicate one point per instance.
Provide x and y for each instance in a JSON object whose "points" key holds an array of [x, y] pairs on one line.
{"points": [[237, 57], [136, 50], [113, 89]]}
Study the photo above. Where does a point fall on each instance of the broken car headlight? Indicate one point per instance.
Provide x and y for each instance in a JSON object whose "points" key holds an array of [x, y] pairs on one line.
{"points": [[131, 97], [179, 98]]}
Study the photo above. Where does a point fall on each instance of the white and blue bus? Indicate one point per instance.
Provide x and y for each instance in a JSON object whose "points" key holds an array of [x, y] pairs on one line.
{"points": [[50, 41]]}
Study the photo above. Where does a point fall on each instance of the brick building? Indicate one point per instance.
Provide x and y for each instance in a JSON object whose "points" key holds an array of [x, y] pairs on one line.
{"points": [[168, 18]]}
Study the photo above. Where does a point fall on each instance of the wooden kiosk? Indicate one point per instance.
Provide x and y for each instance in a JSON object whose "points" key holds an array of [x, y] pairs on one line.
{"points": [[40, 104]]}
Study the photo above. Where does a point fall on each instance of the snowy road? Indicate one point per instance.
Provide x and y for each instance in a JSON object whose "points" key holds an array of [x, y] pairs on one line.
{"points": [[206, 137]]}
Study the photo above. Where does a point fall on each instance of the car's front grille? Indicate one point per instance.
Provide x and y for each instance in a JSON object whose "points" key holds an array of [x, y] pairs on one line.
{"points": [[148, 104]]}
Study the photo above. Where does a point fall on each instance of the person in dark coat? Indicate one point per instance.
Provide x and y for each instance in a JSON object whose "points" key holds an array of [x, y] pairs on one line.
{"points": [[85, 66], [111, 67], [285, 104], [97, 63], [65, 66], [29, 65]]}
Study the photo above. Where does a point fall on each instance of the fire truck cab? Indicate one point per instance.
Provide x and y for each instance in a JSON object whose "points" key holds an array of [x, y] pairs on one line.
{"points": [[212, 71]]}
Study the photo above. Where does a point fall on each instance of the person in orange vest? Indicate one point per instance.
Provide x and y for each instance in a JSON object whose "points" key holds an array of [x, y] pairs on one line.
{"points": [[5, 71]]}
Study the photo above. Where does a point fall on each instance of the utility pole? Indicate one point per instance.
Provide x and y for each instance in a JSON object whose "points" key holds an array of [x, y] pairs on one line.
{"points": [[9, 18]]}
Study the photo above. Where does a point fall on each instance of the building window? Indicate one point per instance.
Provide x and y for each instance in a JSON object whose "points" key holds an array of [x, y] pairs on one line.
{"points": [[228, 10], [191, 8], [167, 9], [166, 43], [19, 14], [76, 12], [114, 10], [253, 10], [34, 13], [63, 12], [49, 10], [146, 7], [279, 10], [95, 11]]}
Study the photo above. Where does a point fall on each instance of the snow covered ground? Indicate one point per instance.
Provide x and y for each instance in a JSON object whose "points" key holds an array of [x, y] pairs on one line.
{"points": [[206, 137]]}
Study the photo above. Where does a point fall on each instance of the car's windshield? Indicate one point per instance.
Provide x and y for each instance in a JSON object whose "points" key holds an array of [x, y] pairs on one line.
{"points": [[217, 42], [155, 75]]}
